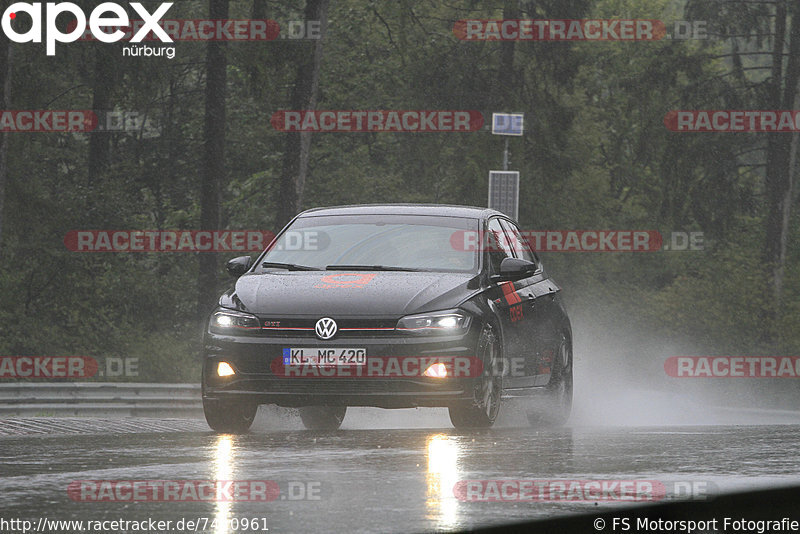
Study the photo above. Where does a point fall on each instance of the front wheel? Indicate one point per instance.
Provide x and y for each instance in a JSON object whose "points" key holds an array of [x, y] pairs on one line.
{"points": [[555, 408], [322, 417], [482, 410], [229, 417]]}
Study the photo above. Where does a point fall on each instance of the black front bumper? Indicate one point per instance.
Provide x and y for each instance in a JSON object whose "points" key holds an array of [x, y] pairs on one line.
{"points": [[254, 358]]}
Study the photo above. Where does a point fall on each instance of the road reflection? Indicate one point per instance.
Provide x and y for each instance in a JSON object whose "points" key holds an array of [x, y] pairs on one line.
{"points": [[223, 470], [443, 455]]}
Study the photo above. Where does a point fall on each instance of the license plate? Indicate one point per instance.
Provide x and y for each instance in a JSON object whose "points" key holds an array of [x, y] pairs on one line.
{"points": [[324, 356]]}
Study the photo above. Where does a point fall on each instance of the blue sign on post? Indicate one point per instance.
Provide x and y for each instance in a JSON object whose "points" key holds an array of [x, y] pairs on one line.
{"points": [[507, 123]]}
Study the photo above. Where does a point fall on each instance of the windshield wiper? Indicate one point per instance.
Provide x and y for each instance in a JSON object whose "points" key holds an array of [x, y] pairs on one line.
{"points": [[289, 266], [370, 268]]}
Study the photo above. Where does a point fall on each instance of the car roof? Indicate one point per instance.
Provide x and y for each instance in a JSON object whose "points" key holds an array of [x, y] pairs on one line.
{"points": [[441, 210]]}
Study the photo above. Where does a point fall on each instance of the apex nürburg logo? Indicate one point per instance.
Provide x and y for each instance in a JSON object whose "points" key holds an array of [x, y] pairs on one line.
{"points": [[106, 15]]}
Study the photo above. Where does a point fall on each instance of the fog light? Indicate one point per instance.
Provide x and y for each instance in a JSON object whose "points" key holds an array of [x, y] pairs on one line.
{"points": [[225, 369], [437, 370]]}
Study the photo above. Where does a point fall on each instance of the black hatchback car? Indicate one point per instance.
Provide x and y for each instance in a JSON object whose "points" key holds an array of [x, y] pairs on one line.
{"points": [[392, 306]]}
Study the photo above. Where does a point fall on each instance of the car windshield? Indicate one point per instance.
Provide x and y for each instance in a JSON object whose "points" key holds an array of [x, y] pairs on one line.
{"points": [[380, 242]]}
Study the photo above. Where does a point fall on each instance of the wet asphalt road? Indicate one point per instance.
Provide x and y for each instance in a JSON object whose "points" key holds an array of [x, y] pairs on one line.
{"points": [[373, 475]]}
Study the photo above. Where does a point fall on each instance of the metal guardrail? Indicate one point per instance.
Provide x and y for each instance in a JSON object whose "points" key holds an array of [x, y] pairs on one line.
{"points": [[99, 399]]}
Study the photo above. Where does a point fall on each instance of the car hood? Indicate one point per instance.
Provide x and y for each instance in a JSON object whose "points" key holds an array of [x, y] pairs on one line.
{"points": [[356, 294]]}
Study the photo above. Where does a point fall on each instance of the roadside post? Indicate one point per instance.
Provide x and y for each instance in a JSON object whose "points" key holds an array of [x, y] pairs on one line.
{"points": [[504, 185]]}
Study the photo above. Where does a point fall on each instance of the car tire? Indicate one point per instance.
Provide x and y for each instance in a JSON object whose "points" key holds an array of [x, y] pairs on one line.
{"points": [[482, 410], [229, 417], [322, 417], [554, 409]]}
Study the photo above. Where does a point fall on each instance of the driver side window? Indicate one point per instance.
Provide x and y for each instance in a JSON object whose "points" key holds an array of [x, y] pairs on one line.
{"points": [[497, 245], [519, 243]]}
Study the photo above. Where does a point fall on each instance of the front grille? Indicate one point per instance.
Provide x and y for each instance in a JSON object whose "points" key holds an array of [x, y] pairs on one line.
{"points": [[347, 328]]}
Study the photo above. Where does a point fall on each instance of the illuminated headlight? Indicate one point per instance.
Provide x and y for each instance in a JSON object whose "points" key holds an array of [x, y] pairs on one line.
{"points": [[435, 323], [227, 321]]}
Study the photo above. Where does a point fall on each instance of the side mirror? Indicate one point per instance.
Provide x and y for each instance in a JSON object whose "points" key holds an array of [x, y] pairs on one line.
{"points": [[514, 269], [238, 266]]}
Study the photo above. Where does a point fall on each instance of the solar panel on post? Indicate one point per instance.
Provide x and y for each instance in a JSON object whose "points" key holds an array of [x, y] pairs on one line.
{"points": [[504, 192]]}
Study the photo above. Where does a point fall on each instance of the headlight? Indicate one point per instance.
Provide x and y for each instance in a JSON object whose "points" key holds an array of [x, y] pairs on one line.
{"points": [[444, 323], [227, 321]]}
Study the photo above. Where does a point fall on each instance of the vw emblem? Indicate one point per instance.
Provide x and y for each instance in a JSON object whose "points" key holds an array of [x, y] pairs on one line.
{"points": [[326, 328]]}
